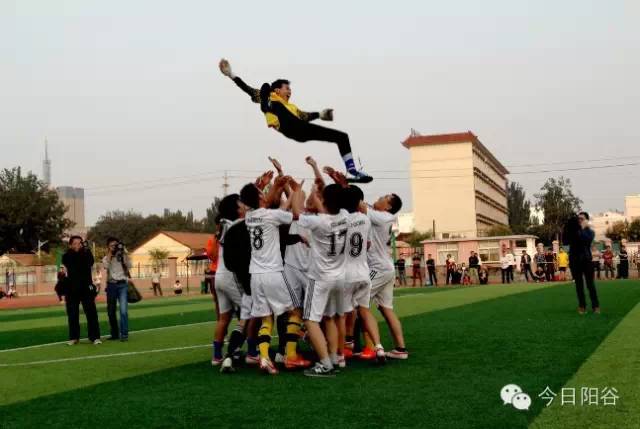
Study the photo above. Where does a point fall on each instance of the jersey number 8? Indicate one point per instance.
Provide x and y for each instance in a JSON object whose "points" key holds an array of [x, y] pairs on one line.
{"points": [[257, 241]]}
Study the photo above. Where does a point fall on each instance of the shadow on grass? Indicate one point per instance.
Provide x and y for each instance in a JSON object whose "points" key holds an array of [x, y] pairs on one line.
{"points": [[460, 359]]}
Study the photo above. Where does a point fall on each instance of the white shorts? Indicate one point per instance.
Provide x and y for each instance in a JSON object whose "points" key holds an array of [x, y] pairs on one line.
{"points": [[296, 281], [382, 288], [323, 298], [270, 295], [356, 294], [231, 296]]}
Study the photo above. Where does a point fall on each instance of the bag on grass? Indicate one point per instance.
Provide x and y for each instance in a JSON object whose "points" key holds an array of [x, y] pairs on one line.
{"points": [[133, 294]]}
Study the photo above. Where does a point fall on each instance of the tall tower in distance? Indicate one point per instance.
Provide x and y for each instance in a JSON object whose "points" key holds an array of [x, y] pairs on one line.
{"points": [[46, 165]]}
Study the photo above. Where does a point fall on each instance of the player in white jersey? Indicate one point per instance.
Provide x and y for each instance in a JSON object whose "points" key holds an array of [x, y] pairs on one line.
{"points": [[324, 295], [358, 283], [382, 216], [269, 291]]}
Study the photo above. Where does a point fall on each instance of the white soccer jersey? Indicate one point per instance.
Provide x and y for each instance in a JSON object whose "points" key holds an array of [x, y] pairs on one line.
{"points": [[357, 266], [297, 255], [378, 256], [265, 239], [328, 240], [225, 224]]}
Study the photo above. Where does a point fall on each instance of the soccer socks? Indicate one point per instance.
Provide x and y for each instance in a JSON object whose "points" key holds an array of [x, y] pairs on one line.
{"points": [[217, 349], [235, 342], [281, 326], [264, 337], [293, 329], [349, 163], [326, 362]]}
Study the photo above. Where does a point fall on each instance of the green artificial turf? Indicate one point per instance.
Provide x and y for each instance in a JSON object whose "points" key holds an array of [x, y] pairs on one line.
{"points": [[465, 344]]}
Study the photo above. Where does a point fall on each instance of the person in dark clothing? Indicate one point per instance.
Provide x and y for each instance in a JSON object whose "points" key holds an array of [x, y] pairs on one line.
{"points": [[550, 265], [623, 266], [525, 265], [450, 267], [431, 269], [417, 270], [402, 272], [294, 123], [474, 266], [78, 262], [580, 237], [483, 275]]}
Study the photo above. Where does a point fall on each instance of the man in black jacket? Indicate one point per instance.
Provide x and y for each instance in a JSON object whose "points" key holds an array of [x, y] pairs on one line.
{"points": [[78, 262], [580, 237]]}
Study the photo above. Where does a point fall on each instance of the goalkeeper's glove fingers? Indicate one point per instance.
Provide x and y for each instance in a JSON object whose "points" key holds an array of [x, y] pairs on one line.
{"points": [[326, 115], [225, 68]]}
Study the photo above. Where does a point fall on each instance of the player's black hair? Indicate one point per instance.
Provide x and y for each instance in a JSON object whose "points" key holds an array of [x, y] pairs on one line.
{"points": [[277, 84], [396, 204], [250, 195], [74, 238], [332, 196], [228, 208], [352, 198]]}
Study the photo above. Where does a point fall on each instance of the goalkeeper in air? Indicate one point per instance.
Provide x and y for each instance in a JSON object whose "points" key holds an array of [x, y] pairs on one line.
{"points": [[295, 124]]}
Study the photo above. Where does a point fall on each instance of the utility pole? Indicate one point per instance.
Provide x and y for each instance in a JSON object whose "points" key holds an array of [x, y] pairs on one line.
{"points": [[225, 184]]}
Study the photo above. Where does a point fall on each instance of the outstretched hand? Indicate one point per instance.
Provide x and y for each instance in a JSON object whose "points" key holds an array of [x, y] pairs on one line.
{"points": [[277, 166], [264, 180], [337, 176], [326, 115], [312, 162], [225, 68]]}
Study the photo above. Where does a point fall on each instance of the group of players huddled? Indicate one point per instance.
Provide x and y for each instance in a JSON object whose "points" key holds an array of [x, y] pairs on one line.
{"points": [[309, 263]]}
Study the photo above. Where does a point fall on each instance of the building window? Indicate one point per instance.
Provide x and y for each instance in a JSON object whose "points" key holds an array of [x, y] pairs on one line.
{"points": [[447, 249], [521, 243], [489, 251]]}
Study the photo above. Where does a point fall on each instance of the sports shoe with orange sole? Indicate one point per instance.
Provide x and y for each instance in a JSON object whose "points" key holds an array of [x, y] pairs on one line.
{"points": [[296, 363], [368, 354]]}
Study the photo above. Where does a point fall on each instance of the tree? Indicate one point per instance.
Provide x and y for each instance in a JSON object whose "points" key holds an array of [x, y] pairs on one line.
{"points": [[634, 230], [129, 227], [557, 202], [519, 208], [210, 223], [415, 238], [498, 230], [29, 212], [158, 256], [618, 230]]}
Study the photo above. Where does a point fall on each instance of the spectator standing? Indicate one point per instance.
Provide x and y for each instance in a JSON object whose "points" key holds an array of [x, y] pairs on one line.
{"points": [[474, 267], [514, 265], [539, 257], [595, 258], [563, 263], [402, 272], [506, 263], [623, 270], [156, 277], [7, 279], [607, 257], [550, 265], [525, 265], [78, 262], [431, 269], [417, 270], [580, 239], [450, 264], [117, 265]]}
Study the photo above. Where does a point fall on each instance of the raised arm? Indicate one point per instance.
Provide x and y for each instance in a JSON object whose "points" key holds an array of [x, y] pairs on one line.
{"points": [[226, 70]]}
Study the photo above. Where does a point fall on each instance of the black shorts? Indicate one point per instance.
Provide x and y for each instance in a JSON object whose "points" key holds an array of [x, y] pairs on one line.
{"points": [[563, 269]]}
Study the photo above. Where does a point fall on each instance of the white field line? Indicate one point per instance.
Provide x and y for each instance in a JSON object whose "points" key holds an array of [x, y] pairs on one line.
{"points": [[45, 362]]}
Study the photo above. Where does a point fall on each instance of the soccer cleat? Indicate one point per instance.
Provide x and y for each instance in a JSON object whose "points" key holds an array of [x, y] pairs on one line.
{"points": [[319, 371], [359, 177], [381, 356], [216, 361], [368, 354], [97, 341], [279, 358], [397, 354], [265, 94], [347, 353], [227, 366], [73, 342], [296, 363], [267, 366], [252, 360]]}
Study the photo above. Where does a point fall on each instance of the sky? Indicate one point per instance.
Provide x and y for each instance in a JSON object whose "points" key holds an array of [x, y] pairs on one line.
{"points": [[129, 96]]}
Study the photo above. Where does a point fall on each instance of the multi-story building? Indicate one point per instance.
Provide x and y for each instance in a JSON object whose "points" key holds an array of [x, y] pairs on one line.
{"points": [[73, 199], [457, 183], [632, 207], [603, 221]]}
